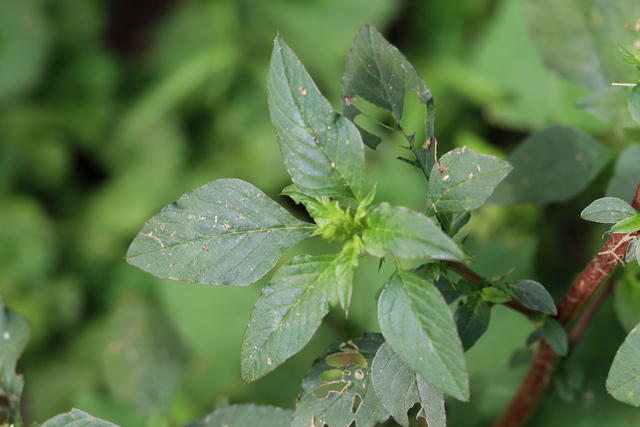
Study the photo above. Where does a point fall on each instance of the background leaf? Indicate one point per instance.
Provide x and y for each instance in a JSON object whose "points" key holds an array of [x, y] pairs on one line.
{"points": [[551, 165], [246, 415], [608, 210], [75, 418], [338, 390], [626, 175], [634, 104], [623, 381], [322, 150], [405, 233], [472, 319], [555, 335], [14, 334], [533, 295], [288, 312], [467, 182], [225, 232], [399, 388], [626, 300], [417, 323]]}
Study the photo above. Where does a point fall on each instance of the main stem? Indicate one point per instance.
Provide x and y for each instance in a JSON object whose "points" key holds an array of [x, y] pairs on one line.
{"points": [[592, 278]]}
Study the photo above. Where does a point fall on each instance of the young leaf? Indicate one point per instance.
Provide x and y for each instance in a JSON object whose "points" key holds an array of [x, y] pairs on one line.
{"points": [[378, 73], [629, 225], [225, 232], [337, 390], [494, 295], [417, 323], [14, 334], [322, 150], [532, 295], [399, 388], [464, 180], [405, 233], [472, 319], [246, 415], [608, 210], [289, 311], [623, 381], [555, 335], [629, 53], [634, 104], [76, 418]]}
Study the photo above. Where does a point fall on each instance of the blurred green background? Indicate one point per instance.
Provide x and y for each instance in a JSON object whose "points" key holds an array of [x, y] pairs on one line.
{"points": [[111, 109]]}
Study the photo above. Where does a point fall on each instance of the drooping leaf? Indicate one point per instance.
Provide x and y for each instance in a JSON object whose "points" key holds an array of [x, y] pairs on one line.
{"points": [[608, 210], [76, 418], [379, 73], [551, 165], [417, 323], [288, 312], [555, 335], [338, 390], [464, 180], [405, 233], [225, 232], [322, 150], [246, 415], [626, 173], [472, 319], [399, 388], [634, 104], [623, 381], [532, 295], [520, 356], [628, 225], [534, 336], [14, 334]]}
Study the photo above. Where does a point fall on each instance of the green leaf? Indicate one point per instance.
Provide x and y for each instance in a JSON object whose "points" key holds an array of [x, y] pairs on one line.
{"points": [[379, 73], [634, 104], [337, 390], [551, 165], [626, 299], [623, 381], [534, 336], [288, 312], [405, 233], [417, 323], [14, 334], [76, 418], [608, 210], [532, 295], [399, 388], [494, 295], [464, 180], [225, 232], [246, 415], [626, 173], [322, 150], [472, 319], [629, 53], [520, 356], [632, 251], [555, 335], [629, 225]]}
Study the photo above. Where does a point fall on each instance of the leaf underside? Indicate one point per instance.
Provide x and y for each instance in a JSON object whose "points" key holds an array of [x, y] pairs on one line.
{"points": [[532, 295]]}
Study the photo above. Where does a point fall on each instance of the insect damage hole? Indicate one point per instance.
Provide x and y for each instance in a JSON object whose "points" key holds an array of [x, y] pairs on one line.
{"points": [[357, 402]]}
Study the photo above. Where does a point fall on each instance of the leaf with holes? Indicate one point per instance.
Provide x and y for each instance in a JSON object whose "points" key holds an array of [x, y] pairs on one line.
{"points": [[246, 415], [14, 334], [623, 381], [472, 319], [289, 311], [608, 210], [225, 232], [76, 418], [337, 390], [417, 323], [399, 388], [404, 233], [464, 180], [322, 150], [532, 295]]}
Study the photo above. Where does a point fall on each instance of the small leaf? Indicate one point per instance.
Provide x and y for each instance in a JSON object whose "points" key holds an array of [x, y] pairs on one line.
{"points": [[405, 233], [322, 150], [14, 334], [534, 336], [246, 415], [76, 418], [532, 295], [623, 381], [629, 225], [288, 313], [629, 53], [337, 390], [472, 319], [225, 232], [634, 104], [399, 388], [555, 335], [632, 251], [495, 295], [464, 180], [520, 357], [412, 307], [608, 210]]}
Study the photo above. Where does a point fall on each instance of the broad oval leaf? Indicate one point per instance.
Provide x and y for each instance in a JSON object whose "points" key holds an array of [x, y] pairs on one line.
{"points": [[338, 390], [623, 381], [629, 225], [472, 319], [322, 150], [289, 311], [608, 210], [225, 232], [634, 104], [626, 173], [76, 418], [14, 334], [404, 233], [399, 388], [246, 415], [464, 181], [551, 165], [532, 295], [417, 323]]}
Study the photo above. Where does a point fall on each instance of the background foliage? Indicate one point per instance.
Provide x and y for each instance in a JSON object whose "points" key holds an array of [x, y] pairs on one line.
{"points": [[111, 110]]}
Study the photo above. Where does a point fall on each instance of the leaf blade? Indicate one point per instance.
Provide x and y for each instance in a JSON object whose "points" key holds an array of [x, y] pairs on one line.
{"points": [[14, 333], [623, 381], [532, 295], [608, 210], [472, 319], [245, 415], [76, 417]]}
